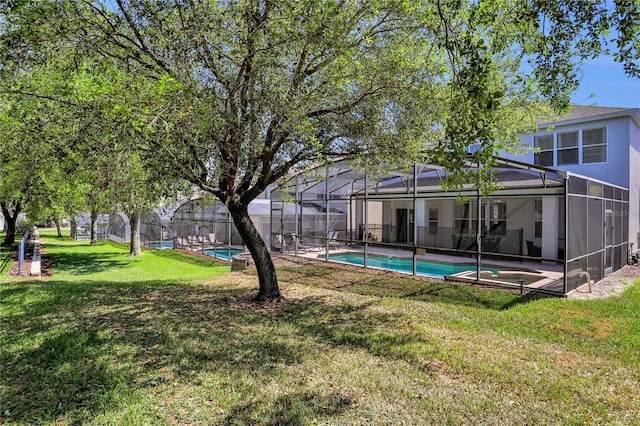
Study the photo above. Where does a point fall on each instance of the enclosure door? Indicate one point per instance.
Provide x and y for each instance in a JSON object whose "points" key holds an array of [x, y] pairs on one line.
{"points": [[608, 242], [404, 219]]}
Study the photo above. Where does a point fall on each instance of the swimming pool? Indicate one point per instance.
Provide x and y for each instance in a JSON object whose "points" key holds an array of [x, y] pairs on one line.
{"points": [[405, 264], [223, 253], [161, 245]]}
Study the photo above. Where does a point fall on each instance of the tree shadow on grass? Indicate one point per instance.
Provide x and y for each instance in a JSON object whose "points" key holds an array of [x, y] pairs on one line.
{"points": [[87, 353], [75, 354], [357, 326], [5, 258], [62, 377], [295, 408], [79, 350]]}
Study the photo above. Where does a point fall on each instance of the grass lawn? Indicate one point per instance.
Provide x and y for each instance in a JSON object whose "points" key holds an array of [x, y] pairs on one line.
{"points": [[166, 338]]}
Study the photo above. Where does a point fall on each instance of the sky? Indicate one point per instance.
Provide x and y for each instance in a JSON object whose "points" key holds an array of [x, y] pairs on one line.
{"points": [[606, 80]]}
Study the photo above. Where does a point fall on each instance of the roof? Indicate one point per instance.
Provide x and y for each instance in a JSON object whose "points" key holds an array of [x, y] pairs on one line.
{"points": [[344, 181], [584, 111], [580, 113]]}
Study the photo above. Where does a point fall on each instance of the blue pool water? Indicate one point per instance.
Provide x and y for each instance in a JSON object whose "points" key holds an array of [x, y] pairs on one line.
{"points": [[222, 253], [162, 245], [405, 264]]}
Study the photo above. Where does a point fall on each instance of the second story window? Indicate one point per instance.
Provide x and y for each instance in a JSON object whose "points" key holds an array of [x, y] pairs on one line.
{"points": [[594, 145], [568, 148], [545, 145]]}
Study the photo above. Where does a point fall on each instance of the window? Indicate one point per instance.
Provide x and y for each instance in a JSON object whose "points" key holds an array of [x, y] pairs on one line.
{"points": [[568, 148], [433, 221], [461, 219], [588, 146], [493, 219], [545, 146], [537, 218], [466, 218], [594, 145], [497, 217]]}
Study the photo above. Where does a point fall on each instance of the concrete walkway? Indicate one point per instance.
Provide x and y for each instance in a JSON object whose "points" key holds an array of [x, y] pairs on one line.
{"points": [[35, 258]]}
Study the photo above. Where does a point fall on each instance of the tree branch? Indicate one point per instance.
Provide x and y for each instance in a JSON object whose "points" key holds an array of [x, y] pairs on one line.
{"points": [[47, 97], [340, 109]]}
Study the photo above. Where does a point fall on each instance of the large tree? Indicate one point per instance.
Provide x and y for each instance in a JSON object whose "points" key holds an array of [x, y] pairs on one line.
{"points": [[249, 89], [255, 88]]}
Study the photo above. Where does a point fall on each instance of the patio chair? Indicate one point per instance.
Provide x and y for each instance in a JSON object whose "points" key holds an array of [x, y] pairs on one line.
{"points": [[183, 242], [332, 238], [533, 250], [303, 246], [279, 243]]}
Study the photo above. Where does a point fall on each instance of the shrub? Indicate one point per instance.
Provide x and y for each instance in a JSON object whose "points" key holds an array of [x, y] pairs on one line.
{"points": [[22, 227]]}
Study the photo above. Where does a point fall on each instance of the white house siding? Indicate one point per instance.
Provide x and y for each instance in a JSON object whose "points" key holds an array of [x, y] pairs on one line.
{"points": [[445, 223], [373, 219], [421, 218]]}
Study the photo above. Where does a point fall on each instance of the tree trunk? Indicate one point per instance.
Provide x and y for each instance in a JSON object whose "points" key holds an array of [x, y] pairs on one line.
{"points": [[10, 223], [134, 220], [57, 222], [73, 226], [269, 288], [94, 227]]}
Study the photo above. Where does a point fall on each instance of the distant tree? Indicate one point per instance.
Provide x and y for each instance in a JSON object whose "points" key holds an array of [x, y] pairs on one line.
{"points": [[13, 192], [23, 153], [137, 178], [92, 139]]}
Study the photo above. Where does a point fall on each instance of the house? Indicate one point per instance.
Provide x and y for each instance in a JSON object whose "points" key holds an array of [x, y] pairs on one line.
{"points": [[563, 215], [567, 212]]}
